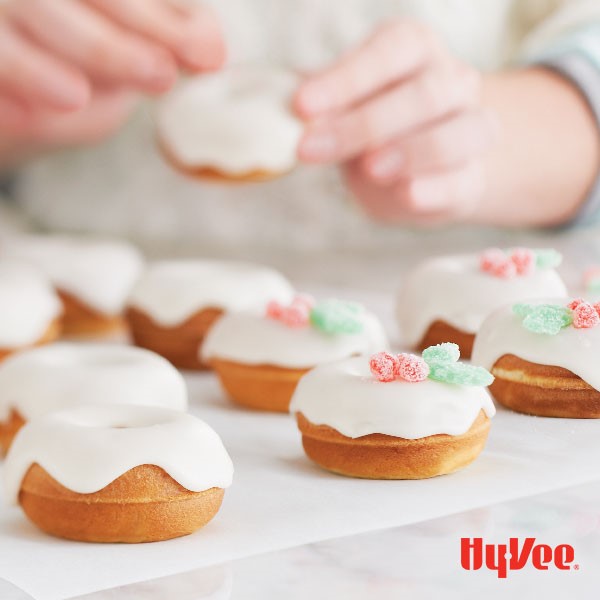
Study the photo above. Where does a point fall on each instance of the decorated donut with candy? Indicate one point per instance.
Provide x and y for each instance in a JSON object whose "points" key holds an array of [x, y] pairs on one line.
{"points": [[260, 358], [236, 125], [394, 416], [544, 356], [447, 298]]}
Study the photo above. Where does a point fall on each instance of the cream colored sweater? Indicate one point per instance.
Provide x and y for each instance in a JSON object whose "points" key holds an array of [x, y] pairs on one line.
{"points": [[123, 187]]}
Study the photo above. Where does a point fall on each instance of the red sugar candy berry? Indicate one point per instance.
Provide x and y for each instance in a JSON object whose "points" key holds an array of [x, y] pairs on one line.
{"points": [[490, 258], [597, 307], [384, 366], [295, 316], [585, 316], [524, 260], [505, 269], [274, 310], [412, 368], [575, 303]]}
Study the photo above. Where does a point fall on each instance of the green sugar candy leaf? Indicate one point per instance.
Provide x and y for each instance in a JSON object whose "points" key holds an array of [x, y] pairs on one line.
{"points": [[460, 374], [442, 353], [523, 310], [548, 319], [548, 258], [337, 317]]}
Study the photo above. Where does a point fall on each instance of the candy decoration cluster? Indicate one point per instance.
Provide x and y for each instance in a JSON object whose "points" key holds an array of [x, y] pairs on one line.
{"points": [[329, 316], [507, 264], [550, 319], [439, 363]]}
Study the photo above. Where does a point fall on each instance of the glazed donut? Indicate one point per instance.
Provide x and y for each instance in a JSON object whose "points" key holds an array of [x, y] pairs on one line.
{"points": [[92, 277], [447, 298], [30, 311], [57, 376], [175, 303], [354, 424], [235, 125], [117, 473], [260, 358], [545, 374]]}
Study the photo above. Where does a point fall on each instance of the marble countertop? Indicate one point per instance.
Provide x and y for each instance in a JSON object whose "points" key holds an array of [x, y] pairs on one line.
{"points": [[419, 561]]}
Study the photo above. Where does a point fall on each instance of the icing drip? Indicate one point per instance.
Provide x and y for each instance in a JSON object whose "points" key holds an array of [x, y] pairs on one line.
{"points": [[88, 447], [28, 305], [570, 348], [237, 121], [455, 290], [100, 273], [256, 340], [60, 375], [172, 291], [344, 395]]}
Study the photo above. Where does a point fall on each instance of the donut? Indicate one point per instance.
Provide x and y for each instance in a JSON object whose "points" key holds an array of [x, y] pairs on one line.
{"points": [[544, 357], [232, 126], [259, 359], [92, 277], [36, 382], [115, 473], [358, 421], [30, 310], [447, 298], [175, 303]]}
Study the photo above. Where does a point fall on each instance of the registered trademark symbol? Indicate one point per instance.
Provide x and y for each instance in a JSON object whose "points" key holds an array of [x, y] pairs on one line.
{"points": [[576, 567]]}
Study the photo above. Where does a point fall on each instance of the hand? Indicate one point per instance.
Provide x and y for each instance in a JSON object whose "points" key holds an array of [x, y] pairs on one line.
{"points": [[405, 118], [70, 69]]}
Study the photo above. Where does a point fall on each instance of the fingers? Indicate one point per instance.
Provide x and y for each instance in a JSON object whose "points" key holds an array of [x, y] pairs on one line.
{"points": [[14, 116], [444, 146], [192, 36], [37, 78], [395, 51], [448, 196], [432, 94], [88, 40]]}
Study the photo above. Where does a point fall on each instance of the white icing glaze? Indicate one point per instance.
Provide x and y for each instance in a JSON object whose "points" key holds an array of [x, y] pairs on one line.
{"points": [[87, 447], [577, 350], [172, 291], [57, 376], [28, 305], [237, 120], [258, 340], [344, 395], [100, 273], [455, 290]]}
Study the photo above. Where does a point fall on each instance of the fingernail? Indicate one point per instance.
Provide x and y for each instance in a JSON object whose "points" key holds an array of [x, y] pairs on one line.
{"points": [[318, 146], [386, 165]]}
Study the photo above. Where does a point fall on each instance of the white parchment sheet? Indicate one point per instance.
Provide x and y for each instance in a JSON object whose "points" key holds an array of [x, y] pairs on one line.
{"points": [[279, 499]]}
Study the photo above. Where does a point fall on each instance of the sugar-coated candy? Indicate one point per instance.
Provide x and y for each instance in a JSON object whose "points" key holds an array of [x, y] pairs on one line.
{"points": [[522, 310], [274, 309], [412, 368], [443, 353], [524, 260], [337, 317], [384, 366], [505, 269], [575, 303], [547, 258], [591, 279], [305, 300], [295, 316], [547, 319], [585, 316], [490, 258], [460, 374]]}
